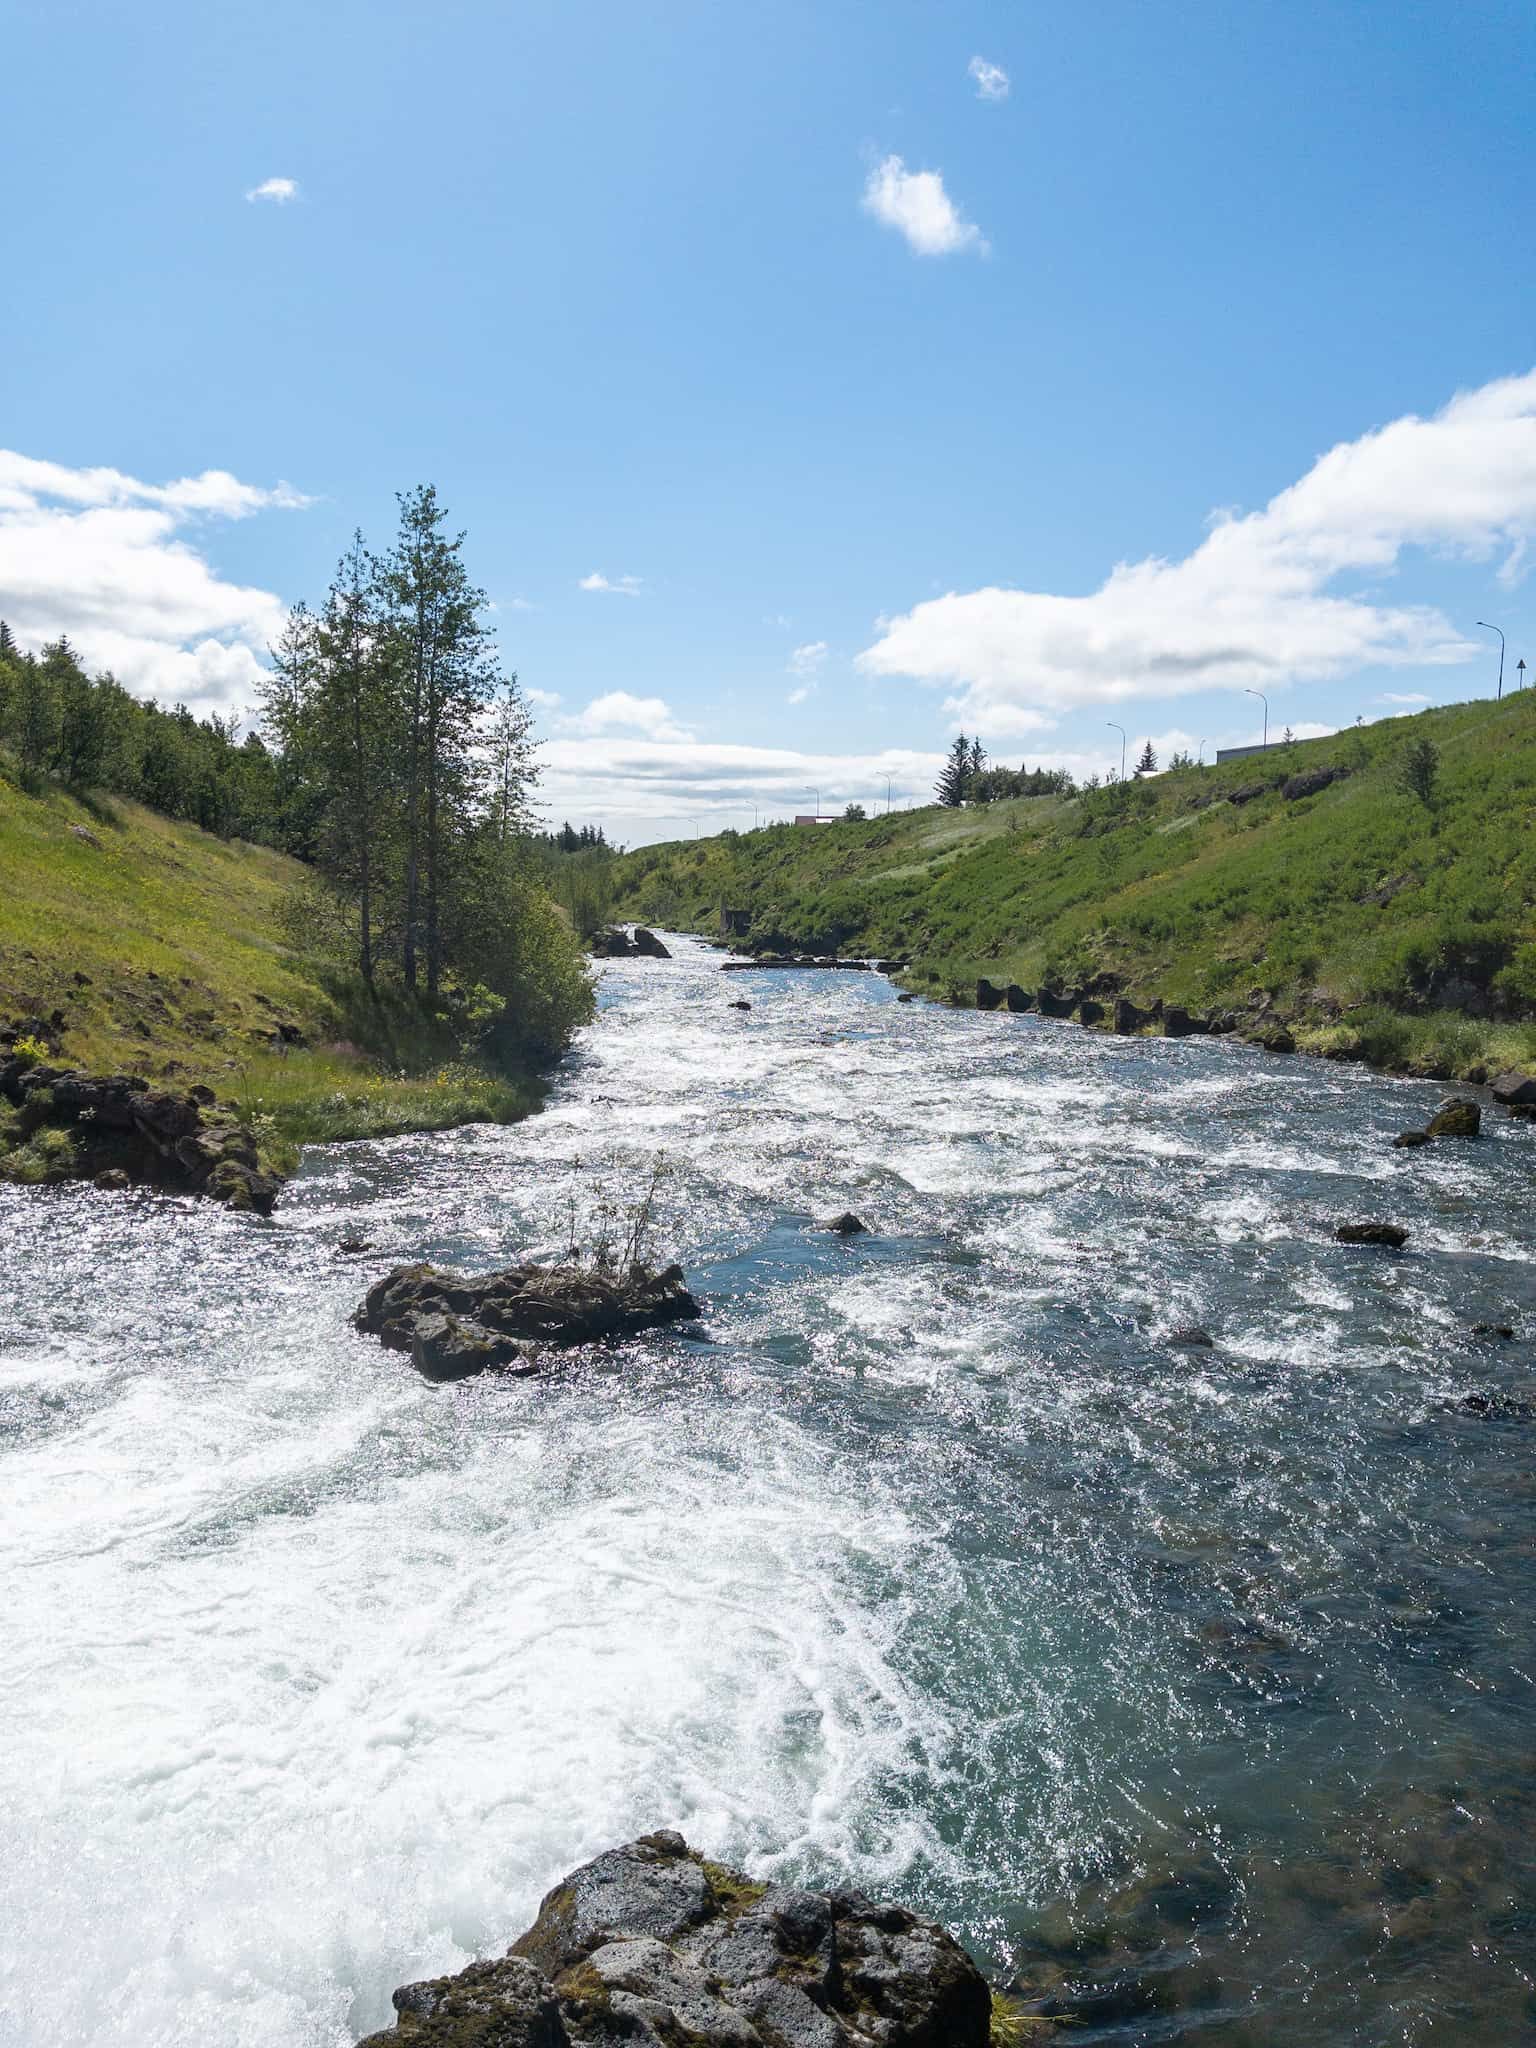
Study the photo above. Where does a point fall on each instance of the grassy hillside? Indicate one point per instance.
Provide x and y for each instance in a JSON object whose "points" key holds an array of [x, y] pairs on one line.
{"points": [[1382, 926], [163, 948]]}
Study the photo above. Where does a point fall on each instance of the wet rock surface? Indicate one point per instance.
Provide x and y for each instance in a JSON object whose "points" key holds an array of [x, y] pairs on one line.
{"points": [[1458, 1118], [454, 1327], [648, 1943], [1391, 1234]]}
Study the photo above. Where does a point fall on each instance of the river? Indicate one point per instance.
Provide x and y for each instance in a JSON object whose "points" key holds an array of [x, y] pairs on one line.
{"points": [[1193, 1686]]}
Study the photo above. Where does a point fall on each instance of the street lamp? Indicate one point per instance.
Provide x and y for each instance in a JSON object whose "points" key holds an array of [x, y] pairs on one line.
{"points": [[1520, 672], [1265, 702], [1200, 754], [1121, 730], [1500, 631]]}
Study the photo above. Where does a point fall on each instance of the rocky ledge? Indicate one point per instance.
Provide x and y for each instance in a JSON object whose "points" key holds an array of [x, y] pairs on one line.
{"points": [[454, 1327], [119, 1132], [614, 943], [651, 1944]]}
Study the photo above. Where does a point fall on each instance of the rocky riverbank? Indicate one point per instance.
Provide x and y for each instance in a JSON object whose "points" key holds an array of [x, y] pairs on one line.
{"points": [[649, 1943], [118, 1132]]}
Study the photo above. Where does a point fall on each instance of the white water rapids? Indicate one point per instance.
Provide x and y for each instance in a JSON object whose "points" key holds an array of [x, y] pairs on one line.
{"points": [[924, 1560]]}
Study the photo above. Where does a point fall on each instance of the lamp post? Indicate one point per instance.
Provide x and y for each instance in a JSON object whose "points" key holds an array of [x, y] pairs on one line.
{"points": [[1265, 702], [1121, 730], [1520, 672], [1200, 754], [1500, 631]]}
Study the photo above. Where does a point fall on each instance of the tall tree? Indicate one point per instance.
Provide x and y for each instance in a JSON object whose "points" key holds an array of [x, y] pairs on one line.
{"points": [[513, 772], [1147, 765], [954, 779], [450, 673], [978, 757]]}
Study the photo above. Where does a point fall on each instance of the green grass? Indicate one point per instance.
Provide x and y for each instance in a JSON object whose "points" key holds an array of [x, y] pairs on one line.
{"points": [[164, 949], [1354, 910]]}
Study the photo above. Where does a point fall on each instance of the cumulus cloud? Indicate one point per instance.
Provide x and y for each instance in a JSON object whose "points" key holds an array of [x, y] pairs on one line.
{"points": [[917, 206], [799, 696], [619, 712], [807, 660], [992, 82], [1258, 601], [279, 191], [617, 586], [106, 559]]}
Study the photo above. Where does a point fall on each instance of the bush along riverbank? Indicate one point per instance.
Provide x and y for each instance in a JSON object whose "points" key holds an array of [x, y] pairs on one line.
{"points": [[1370, 894]]}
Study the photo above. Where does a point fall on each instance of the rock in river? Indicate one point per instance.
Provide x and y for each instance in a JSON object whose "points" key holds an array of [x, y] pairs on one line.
{"points": [[454, 1327], [1458, 1118], [649, 1944], [1391, 1234], [848, 1225]]}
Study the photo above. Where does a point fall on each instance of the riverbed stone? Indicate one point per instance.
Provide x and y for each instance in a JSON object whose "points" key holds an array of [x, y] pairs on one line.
{"points": [[646, 943], [988, 995], [1458, 1118], [847, 1225], [1406, 1141], [1514, 1087], [1390, 1234], [650, 1945]]}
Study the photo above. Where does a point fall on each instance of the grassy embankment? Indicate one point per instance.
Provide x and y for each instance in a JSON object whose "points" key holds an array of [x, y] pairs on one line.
{"points": [[163, 948], [1382, 927]]}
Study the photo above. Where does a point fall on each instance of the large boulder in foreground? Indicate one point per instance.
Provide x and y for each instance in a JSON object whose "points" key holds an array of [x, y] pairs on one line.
{"points": [[649, 1944], [454, 1326], [1458, 1118]]}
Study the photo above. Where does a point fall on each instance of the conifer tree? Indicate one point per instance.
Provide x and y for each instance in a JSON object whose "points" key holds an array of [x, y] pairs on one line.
{"points": [[954, 780], [1147, 765]]}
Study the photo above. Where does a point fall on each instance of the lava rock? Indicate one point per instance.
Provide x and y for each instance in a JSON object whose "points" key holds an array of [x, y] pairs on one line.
{"points": [[351, 1245], [647, 944], [1018, 999], [1178, 1023], [1391, 1234], [1089, 1011], [741, 1003], [1504, 1330], [1458, 1118], [453, 1326], [111, 1180], [1192, 1337], [1130, 1017], [1406, 1140], [1514, 1087], [988, 995], [906, 996], [847, 1225], [1058, 1003], [1309, 784], [648, 1944]]}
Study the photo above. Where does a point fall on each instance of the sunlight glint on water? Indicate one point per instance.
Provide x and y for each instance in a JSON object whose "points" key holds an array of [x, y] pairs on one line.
{"points": [[1197, 1680]]}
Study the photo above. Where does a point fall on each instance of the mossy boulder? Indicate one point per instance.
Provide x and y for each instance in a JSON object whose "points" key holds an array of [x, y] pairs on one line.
{"points": [[1458, 1118], [649, 1944]]}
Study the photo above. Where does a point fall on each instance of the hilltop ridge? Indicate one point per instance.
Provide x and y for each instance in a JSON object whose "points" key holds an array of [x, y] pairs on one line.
{"points": [[1377, 923]]}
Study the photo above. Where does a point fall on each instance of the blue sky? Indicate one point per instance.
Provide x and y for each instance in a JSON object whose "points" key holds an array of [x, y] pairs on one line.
{"points": [[866, 340]]}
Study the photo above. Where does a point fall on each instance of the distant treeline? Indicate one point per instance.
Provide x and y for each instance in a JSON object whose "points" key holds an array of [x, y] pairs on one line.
{"points": [[967, 779], [92, 734]]}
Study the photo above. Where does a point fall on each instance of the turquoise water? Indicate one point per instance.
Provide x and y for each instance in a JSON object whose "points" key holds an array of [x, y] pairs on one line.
{"points": [[1193, 1687]]}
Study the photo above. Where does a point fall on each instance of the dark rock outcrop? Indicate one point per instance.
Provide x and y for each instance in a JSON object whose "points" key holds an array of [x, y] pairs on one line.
{"points": [[1247, 792], [1178, 1023], [1191, 1337], [1513, 1088], [649, 1944], [645, 942], [1391, 1234], [124, 1133], [454, 1327], [848, 1225], [1458, 1118], [1309, 784], [1057, 1002], [1089, 1011], [1130, 1017], [1405, 1141], [988, 995], [614, 943], [1018, 999], [1272, 1038]]}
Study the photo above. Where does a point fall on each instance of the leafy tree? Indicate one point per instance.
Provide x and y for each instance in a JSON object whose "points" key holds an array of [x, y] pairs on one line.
{"points": [[855, 814], [1147, 765], [954, 779], [1418, 772]]}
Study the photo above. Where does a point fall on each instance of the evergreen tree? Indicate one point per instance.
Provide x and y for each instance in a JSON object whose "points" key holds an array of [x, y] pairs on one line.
{"points": [[449, 671], [512, 767], [35, 716], [978, 758], [1147, 765], [954, 780]]}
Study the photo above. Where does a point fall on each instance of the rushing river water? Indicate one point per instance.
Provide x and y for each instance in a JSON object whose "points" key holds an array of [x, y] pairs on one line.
{"points": [[1193, 1687]]}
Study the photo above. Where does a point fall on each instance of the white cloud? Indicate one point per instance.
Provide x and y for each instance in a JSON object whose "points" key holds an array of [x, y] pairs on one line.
{"points": [[806, 660], [991, 79], [917, 206], [799, 696], [1256, 601], [103, 558], [1391, 697], [280, 191], [619, 712], [618, 586], [544, 700]]}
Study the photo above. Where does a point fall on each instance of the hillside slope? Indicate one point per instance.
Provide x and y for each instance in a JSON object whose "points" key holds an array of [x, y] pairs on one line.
{"points": [[162, 948], [1379, 924]]}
